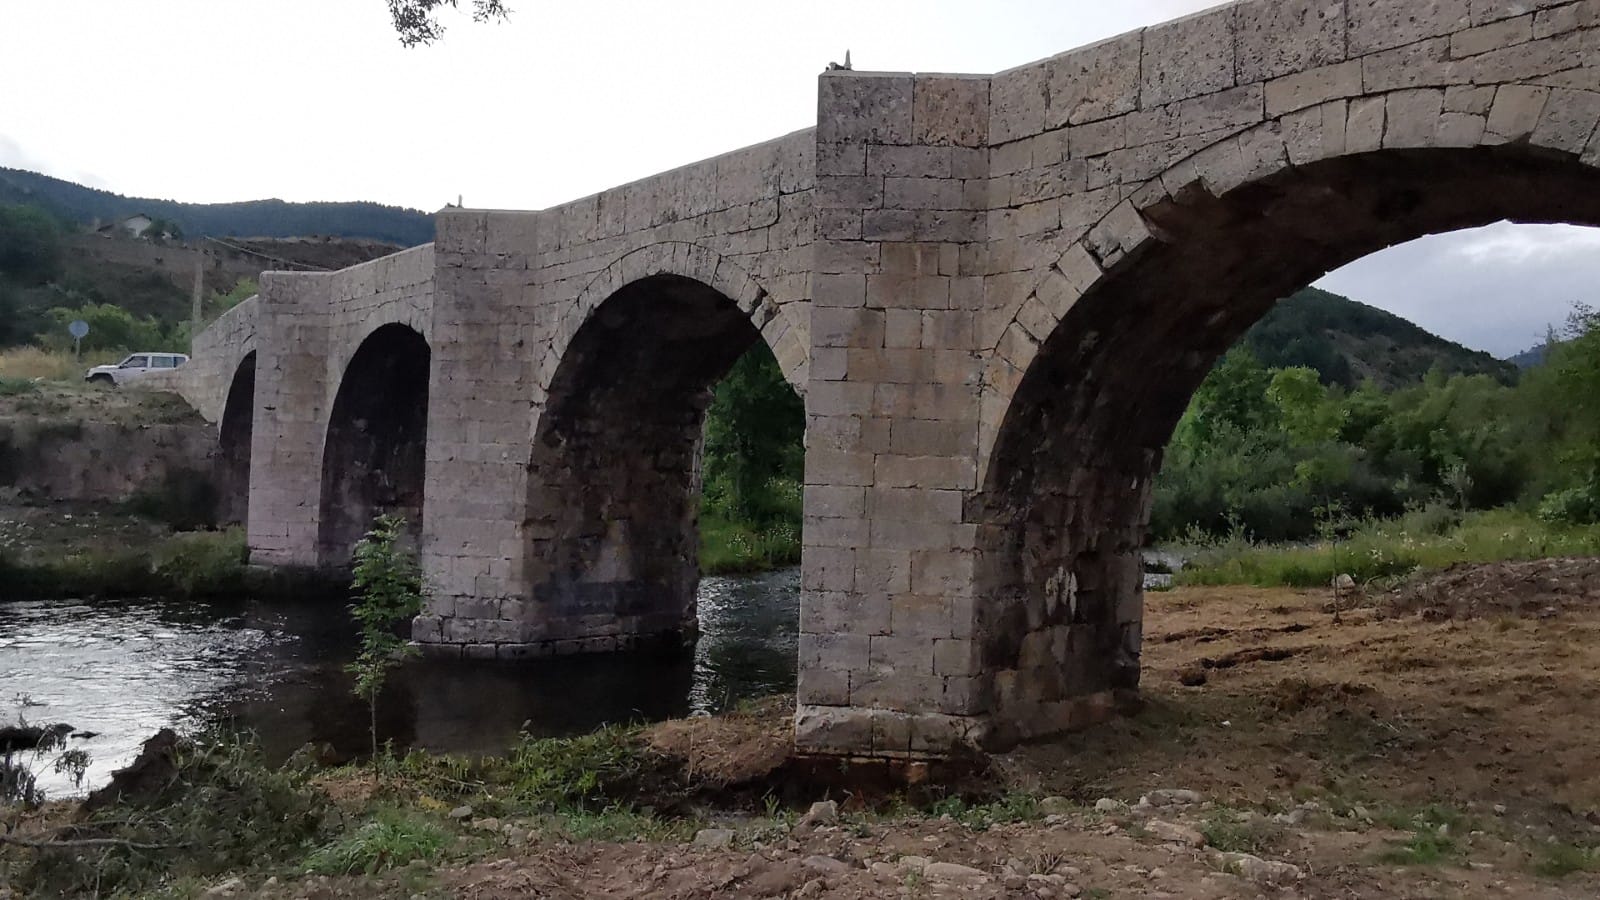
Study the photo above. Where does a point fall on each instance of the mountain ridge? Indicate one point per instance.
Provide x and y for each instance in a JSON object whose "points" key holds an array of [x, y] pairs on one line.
{"points": [[273, 218]]}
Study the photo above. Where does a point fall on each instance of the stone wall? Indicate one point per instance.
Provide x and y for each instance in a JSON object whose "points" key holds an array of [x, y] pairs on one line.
{"points": [[98, 462], [308, 328], [516, 290]]}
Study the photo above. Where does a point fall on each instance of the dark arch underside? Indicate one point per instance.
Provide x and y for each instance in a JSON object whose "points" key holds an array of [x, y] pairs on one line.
{"points": [[614, 477], [238, 426], [373, 460]]}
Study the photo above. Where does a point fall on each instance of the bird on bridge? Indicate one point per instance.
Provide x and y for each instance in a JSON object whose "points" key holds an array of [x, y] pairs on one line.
{"points": [[841, 67]]}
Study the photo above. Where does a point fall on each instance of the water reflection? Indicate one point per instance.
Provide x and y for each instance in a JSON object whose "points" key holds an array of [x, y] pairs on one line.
{"points": [[123, 670]]}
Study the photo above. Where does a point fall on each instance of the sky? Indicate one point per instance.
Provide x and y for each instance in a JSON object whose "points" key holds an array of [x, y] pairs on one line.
{"points": [[219, 100]]}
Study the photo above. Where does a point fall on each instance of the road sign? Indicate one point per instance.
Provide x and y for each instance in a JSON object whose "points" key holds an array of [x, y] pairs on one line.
{"points": [[79, 329]]}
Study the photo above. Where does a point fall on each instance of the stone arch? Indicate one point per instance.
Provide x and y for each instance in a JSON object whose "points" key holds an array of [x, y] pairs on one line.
{"points": [[400, 311], [611, 532], [235, 430], [1085, 385], [374, 452], [692, 261]]}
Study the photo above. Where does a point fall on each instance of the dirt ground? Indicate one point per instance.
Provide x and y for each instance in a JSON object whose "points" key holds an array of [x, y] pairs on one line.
{"points": [[59, 401], [1425, 745]]}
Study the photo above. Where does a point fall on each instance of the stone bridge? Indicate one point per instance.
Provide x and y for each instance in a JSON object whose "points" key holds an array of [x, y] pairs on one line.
{"points": [[996, 294]]}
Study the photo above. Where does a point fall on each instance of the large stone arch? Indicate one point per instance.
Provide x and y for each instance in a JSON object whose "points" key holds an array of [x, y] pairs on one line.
{"points": [[374, 450], [1090, 375], [614, 474]]}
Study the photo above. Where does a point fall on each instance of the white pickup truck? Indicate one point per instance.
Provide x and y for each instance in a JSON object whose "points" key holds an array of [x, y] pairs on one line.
{"points": [[135, 367]]}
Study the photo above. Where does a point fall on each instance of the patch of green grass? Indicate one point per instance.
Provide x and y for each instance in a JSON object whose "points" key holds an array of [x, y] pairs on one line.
{"points": [[1010, 808], [1226, 833], [391, 839], [1388, 549], [1558, 860], [618, 822], [1433, 838], [728, 547], [16, 387]]}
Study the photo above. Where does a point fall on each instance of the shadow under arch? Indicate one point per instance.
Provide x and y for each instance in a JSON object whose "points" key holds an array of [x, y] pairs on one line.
{"points": [[236, 431], [374, 455], [1065, 496], [614, 475]]}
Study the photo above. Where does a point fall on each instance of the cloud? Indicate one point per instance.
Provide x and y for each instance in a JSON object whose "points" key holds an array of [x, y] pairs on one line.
{"points": [[1495, 288], [12, 156]]}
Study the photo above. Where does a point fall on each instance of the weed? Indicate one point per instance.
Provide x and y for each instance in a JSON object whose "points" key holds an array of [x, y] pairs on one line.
{"points": [[1255, 835], [1557, 860], [1432, 842], [391, 839]]}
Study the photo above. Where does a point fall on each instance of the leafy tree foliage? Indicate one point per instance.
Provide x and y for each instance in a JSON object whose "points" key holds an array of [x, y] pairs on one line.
{"points": [[388, 585], [1263, 448], [30, 245], [754, 434], [417, 21]]}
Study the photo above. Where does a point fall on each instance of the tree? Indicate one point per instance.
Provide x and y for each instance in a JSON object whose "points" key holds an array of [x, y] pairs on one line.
{"points": [[389, 585], [754, 432], [417, 22], [30, 245]]}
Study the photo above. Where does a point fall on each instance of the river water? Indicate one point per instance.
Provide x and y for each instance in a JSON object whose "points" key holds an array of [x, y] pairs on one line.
{"points": [[117, 672]]}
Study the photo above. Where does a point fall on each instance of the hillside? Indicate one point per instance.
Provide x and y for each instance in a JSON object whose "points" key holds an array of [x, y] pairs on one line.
{"points": [[256, 218], [1350, 342]]}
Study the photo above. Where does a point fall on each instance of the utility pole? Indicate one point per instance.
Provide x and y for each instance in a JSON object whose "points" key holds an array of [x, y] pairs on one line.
{"points": [[199, 294]]}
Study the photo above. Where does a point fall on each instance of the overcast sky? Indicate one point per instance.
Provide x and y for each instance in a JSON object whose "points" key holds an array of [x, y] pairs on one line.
{"points": [[216, 100]]}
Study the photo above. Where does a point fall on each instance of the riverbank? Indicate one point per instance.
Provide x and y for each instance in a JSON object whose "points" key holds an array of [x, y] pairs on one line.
{"points": [[1407, 747], [1380, 553]]}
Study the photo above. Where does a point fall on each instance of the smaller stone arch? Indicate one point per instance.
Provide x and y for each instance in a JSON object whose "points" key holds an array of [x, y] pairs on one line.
{"points": [[375, 448], [235, 435], [611, 534]]}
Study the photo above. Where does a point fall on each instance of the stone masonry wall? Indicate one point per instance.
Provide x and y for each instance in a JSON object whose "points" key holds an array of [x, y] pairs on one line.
{"points": [[513, 291]]}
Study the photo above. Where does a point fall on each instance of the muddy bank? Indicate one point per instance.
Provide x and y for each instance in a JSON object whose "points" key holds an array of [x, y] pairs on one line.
{"points": [[45, 461]]}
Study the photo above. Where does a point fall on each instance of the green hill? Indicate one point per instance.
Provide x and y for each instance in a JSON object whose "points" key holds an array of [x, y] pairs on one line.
{"points": [[1348, 342], [256, 218]]}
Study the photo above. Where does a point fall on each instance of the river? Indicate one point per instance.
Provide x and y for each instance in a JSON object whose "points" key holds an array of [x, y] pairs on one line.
{"points": [[119, 671]]}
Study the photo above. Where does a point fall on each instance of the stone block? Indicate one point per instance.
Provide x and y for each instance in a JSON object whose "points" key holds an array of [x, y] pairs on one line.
{"points": [[1516, 111], [1364, 124], [1411, 118], [830, 729], [1382, 24], [1313, 87], [1188, 57], [1505, 33], [1225, 110], [1094, 82], [864, 107], [1287, 36], [1017, 104], [829, 612], [950, 110], [1567, 121]]}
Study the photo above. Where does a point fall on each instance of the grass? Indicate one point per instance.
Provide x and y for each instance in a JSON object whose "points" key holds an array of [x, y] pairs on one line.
{"points": [[203, 565], [1557, 860], [35, 363], [728, 547], [1433, 838], [1375, 551], [392, 838], [1225, 832]]}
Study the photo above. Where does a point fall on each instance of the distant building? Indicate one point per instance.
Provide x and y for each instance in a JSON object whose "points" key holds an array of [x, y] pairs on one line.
{"points": [[133, 226]]}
